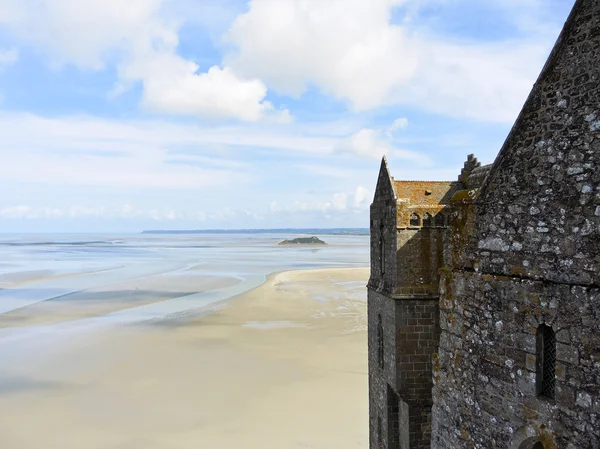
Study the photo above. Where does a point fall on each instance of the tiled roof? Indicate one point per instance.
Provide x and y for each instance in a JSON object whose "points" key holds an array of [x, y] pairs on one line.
{"points": [[426, 192]]}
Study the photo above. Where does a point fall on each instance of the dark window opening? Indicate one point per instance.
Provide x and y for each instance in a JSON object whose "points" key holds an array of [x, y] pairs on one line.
{"points": [[415, 220], [379, 342], [546, 362], [439, 220], [427, 220]]}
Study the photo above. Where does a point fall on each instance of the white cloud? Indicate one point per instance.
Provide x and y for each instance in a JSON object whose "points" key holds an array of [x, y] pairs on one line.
{"points": [[142, 37], [28, 212], [372, 143], [351, 50], [8, 57], [125, 211], [335, 203], [361, 197], [230, 215], [485, 82], [172, 85], [399, 123], [85, 211], [346, 47], [333, 172], [339, 201], [76, 151], [87, 34], [366, 142], [15, 211]]}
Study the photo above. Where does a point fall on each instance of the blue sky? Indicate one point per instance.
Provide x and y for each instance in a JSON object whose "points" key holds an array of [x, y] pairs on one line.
{"points": [[192, 114]]}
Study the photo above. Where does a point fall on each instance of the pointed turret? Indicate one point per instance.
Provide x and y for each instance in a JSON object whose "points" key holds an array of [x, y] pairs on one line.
{"points": [[384, 190]]}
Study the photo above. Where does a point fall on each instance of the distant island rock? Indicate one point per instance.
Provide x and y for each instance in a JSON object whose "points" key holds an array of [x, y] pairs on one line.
{"points": [[304, 241]]}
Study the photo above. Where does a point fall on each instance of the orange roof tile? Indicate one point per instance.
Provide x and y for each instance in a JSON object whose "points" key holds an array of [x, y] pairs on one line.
{"points": [[426, 192]]}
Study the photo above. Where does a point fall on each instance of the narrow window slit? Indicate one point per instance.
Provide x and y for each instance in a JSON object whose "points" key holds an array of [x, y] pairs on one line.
{"points": [[546, 362]]}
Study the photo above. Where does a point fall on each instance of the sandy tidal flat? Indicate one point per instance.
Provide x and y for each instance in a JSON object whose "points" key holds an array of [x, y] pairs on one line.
{"points": [[281, 366], [104, 299]]}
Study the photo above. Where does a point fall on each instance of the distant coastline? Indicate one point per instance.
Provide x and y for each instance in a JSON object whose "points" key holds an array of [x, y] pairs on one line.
{"points": [[312, 231]]}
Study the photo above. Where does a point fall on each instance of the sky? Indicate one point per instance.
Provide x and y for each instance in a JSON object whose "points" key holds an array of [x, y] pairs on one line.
{"points": [[122, 116]]}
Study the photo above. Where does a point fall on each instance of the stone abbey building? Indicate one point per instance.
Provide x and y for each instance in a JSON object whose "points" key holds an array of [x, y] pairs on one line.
{"points": [[484, 296]]}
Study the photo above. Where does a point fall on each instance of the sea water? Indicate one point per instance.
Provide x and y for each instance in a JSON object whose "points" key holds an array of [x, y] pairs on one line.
{"points": [[76, 263]]}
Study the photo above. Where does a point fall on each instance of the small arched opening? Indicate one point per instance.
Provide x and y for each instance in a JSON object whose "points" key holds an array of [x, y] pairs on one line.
{"points": [[427, 220], [531, 436], [415, 220], [532, 443]]}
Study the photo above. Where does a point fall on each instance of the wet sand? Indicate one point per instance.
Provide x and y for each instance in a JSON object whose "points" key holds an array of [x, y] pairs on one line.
{"points": [[281, 366], [98, 301]]}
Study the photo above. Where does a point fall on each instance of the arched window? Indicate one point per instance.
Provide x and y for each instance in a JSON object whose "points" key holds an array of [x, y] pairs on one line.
{"points": [[415, 220], [439, 220], [427, 220], [546, 361], [379, 341]]}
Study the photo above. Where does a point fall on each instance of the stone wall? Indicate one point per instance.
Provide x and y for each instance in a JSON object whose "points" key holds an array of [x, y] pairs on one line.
{"points": [[539, 211], [410, 337], [525, 251], [485, 391], [379, 305], [419, 256], [400, 392], [417, 339]]}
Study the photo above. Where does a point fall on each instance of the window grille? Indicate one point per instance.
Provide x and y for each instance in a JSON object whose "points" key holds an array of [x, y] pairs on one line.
{"points": [[546, 363]]}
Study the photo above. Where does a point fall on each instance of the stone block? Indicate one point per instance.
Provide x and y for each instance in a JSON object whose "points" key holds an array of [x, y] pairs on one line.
{"points": [[566, 353]]}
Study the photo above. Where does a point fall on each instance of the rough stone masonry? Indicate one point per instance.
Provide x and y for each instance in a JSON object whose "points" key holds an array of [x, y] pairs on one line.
{"points": [[484, 297]]}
